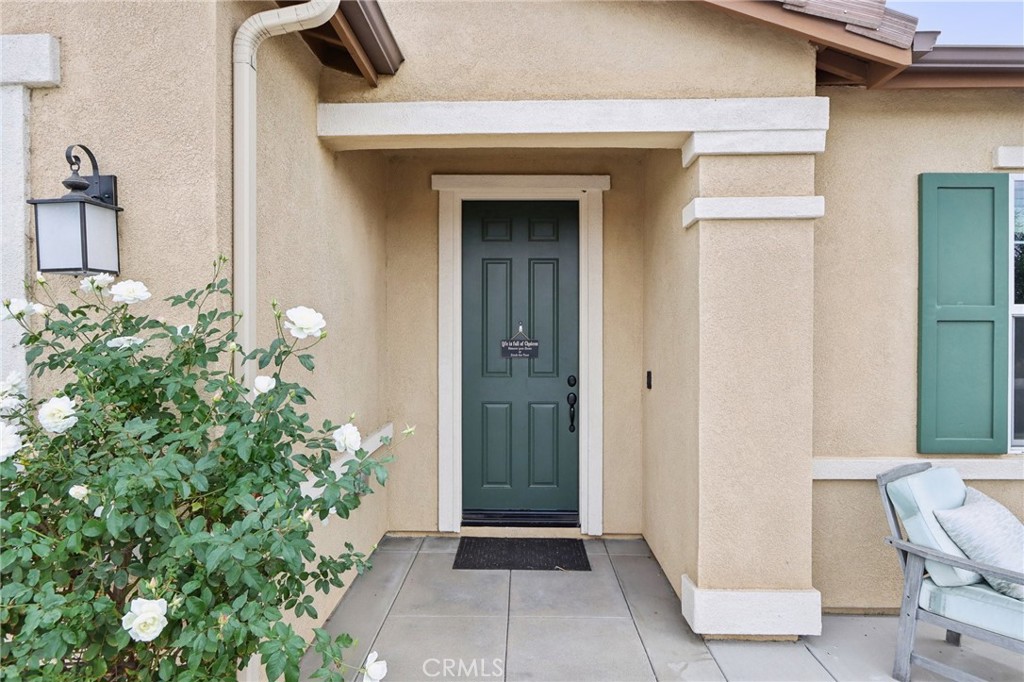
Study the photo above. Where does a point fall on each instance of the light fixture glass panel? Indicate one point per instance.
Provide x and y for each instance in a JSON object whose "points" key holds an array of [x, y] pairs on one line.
{"points": [[59, 236], [101, 238]]}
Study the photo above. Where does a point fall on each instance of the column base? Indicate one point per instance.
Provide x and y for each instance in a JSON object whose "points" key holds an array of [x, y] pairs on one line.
{"points": [[747, 613]]}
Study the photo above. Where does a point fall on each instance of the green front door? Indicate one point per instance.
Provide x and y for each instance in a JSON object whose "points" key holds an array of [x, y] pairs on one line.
{"points": [[520, 415]]}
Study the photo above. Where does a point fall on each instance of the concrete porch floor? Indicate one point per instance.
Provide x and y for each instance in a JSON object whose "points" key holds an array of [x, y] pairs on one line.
{"points": [[619, 622]]}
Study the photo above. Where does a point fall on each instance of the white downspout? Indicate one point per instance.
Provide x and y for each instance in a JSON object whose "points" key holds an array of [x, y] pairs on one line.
{"points": [[250, 35]]}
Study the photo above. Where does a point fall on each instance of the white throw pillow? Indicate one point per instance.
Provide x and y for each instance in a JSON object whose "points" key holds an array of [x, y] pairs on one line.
{"points": [[989, 533]]}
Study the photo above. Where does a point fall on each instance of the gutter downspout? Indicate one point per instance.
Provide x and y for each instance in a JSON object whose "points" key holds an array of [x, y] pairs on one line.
{"points": [[250, 35]]}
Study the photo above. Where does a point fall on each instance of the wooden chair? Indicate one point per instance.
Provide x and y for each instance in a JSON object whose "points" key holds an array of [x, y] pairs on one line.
{"points": [[989, 617]]}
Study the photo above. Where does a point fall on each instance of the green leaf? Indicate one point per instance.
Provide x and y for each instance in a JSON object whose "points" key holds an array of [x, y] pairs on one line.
{"points": [[306, 361], [164, 519], [244, 449], [93, 529]]}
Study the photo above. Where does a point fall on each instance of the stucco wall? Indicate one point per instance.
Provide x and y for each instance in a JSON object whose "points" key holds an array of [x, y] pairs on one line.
{"points": [[866, 268], [580, 50], [149, 119], [321, 237], [671, 352], [412, 319], [160, 119], [853, 568], [865, 316]]}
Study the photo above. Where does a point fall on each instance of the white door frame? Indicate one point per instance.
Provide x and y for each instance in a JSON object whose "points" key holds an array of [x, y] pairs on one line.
{"points": [[588, 191]]}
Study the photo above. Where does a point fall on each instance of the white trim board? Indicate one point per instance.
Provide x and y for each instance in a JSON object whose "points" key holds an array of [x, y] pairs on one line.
{"points": [[751, 612], [718, 143], [31, 60], [988, 468], [1010, 158], [653, 123], [26, 62], [753, 208], [587, 190]]}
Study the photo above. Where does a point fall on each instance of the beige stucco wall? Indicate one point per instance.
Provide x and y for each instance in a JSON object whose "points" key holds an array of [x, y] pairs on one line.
{"points": [[412, 319], [160, 119], [727, 333], [865, 315], [321, 239], [146, 120], [671, 351], [853, 568], [580, 50]]}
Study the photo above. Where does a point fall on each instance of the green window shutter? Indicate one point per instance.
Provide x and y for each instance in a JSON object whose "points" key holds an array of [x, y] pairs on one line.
{"points": [[963, 366]]}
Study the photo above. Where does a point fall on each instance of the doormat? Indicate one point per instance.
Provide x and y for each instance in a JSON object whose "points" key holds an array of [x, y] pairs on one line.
{"points": [[521, 554]]}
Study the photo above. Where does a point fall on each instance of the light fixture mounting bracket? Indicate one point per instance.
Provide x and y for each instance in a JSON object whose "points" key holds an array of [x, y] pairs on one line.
{"points": [[99, 187]]}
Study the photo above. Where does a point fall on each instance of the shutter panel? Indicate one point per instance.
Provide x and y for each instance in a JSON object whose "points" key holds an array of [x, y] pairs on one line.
{"points": [[963, 365]]}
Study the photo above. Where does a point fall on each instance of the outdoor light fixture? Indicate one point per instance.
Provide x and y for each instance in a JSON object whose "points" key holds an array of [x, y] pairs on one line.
{"points": [[77, 233]]}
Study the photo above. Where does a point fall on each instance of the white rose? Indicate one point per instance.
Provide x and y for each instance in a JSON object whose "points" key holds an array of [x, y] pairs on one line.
{"points": [[303, 322], [124, 342], [263, 384], [96, 283], [39, 278], [10, 404], [14, 384], [129, 291], [145, 619], [12, 391], [79, 492], [57, 415], [17, 308], [307, 516], [98, 512], [10, 440], [347, 438], [375, 670]]}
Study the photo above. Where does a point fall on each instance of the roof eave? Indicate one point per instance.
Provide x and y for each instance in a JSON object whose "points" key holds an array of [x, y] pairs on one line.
{"points": [[818, 30]]}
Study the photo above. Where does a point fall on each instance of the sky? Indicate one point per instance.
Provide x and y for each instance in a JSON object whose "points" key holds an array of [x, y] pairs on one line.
{"points": [[968, 22]]}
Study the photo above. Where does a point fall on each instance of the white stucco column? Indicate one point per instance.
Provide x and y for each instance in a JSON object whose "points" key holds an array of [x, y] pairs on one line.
{"points": [[26, 62]]}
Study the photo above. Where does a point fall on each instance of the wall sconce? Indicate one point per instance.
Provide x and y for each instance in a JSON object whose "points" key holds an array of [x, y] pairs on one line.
{"points": [[77, 233]]}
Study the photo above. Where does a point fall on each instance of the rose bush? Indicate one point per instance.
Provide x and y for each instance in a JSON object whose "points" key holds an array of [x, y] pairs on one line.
{"points": [[152, 522]]}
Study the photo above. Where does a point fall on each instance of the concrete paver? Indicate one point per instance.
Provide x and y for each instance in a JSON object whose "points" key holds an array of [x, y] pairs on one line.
{"points": [[576, 649], [861, 648], [594, 593], [432, 588], [675, 652], [620, 622]]}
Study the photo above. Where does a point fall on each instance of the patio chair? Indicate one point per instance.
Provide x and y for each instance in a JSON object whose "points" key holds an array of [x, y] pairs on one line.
{"points": [[965, 605]]}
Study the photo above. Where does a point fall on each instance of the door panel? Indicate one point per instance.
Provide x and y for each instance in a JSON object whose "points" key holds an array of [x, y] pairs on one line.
{"points": [[520, 266]]}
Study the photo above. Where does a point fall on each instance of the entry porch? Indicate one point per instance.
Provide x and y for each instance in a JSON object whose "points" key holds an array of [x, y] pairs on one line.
{"points": [[620, 621]]}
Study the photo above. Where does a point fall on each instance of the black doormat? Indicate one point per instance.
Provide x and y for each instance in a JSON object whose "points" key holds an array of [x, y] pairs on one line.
{"points": [[521, 554]]}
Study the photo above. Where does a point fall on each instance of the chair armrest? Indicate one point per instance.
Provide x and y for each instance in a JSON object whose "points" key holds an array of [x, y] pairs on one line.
{"points": [[955, 561]]}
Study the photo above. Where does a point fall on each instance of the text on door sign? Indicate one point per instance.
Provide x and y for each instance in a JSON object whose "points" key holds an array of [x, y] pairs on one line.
{"points": [[519, 348]]}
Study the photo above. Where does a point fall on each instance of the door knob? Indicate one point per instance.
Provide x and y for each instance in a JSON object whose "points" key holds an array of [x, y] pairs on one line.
{"points": [[571, 399], [572, 380]]}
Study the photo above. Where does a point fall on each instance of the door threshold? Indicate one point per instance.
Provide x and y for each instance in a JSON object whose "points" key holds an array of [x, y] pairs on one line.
{"points": [[521, 518]]}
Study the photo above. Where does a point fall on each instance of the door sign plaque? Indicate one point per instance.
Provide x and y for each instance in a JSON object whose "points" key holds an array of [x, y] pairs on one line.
{"points": [[519, 346]]}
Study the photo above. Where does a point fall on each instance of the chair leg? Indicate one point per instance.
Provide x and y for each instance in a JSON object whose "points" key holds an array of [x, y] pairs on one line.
{"points": [[908, 617], [952, 638]]}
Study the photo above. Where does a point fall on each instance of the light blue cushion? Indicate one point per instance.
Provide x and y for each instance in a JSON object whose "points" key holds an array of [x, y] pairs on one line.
{"points": [[916, 498], [977, 605]]}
